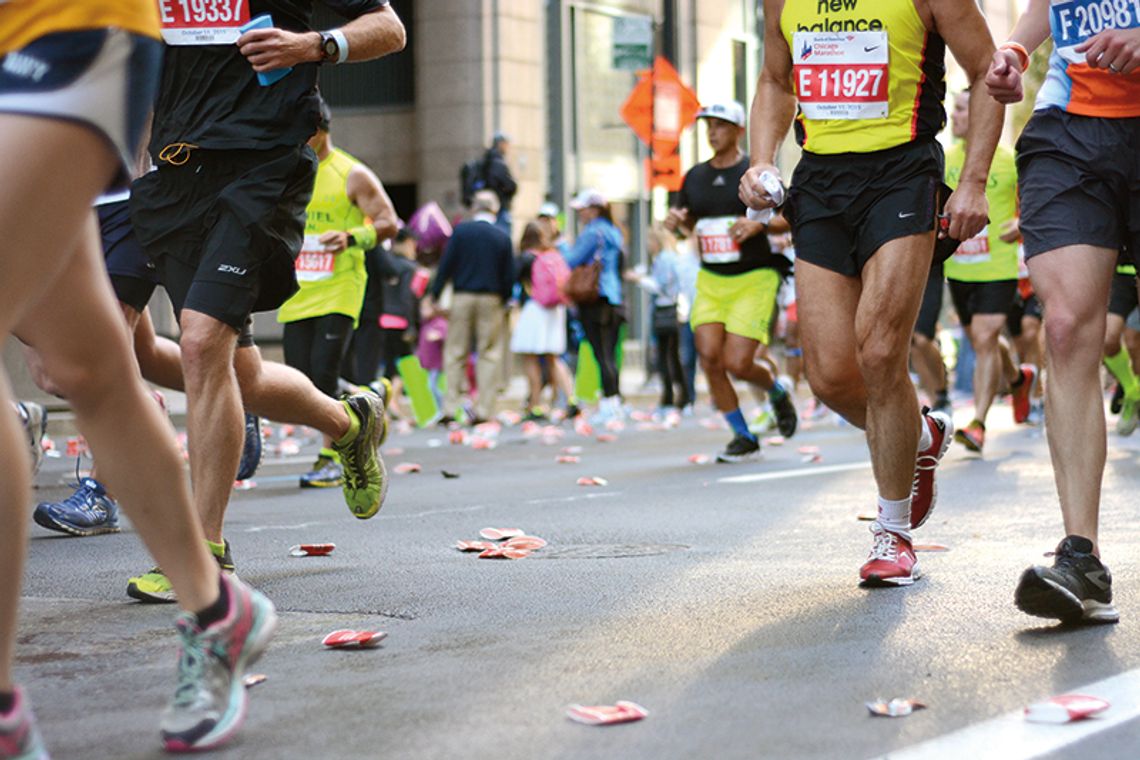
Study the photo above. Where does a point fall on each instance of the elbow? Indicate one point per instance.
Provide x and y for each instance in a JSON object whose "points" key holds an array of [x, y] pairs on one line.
{"points": [[397, 36]]}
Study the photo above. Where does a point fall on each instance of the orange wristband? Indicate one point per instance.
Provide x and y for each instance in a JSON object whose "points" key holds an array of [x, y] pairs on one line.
{"points": [[1022, 53]]}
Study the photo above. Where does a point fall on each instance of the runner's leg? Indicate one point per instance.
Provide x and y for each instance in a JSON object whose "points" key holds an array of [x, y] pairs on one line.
{"points": [[827, 303], [710, 339], [989, 372]]}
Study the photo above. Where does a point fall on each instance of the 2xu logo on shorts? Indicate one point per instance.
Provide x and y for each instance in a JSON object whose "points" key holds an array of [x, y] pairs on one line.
{"points": [[825, 24], [230, 269]]}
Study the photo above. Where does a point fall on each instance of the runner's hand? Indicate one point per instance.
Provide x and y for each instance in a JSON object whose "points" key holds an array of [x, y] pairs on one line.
{"points": [[744, 228], [334, 242], [1003, 80], [1117, 50], [966, 209], [1010, 231], [676, 218], [752, 192], [269, 49]]}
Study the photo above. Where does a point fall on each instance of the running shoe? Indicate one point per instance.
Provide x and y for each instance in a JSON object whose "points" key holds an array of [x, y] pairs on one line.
{"points": [[87, 512], [942, 403], [210, 699], [739, 449], [1117, 398], [33, 418], [1023, 392], [19, 737], [923, 490], [785, 407], [764, 421], [535, 414], [973, 436], [155, 588], [891, 561], [1126, 423], [572, 410], [1077, 588], [1036, 413], [326, 472], [365, 477], [251, 448]]}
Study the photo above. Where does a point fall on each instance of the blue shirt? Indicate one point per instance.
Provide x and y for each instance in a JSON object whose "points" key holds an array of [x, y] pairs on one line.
{"points": [[477, 259], [601, 240]]}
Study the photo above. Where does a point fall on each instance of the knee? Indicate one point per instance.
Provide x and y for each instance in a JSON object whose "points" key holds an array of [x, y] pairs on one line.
{"points": [[1067, 332], [711, 364], [738, 365], [206, 349], [882, 361]]}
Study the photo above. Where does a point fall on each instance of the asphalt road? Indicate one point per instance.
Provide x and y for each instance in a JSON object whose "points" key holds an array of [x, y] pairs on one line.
{"points": [[729, 609]]}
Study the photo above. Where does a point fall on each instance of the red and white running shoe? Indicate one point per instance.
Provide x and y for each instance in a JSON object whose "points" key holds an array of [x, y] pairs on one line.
{"points": [[1023, 393], [891, 561], [923, 490]]}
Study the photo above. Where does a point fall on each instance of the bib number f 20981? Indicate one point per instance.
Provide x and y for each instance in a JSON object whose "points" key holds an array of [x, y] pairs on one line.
{"points": [[202, 22], [842, 75], [1074, 21]]}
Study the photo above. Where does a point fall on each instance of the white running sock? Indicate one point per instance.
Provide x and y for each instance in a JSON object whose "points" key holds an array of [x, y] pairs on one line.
{"points": [[895, 516], [925, 439]]}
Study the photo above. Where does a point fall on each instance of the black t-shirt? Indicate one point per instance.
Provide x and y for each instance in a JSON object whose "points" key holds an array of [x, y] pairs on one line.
{"points": [[711, 196], [210, 96]]}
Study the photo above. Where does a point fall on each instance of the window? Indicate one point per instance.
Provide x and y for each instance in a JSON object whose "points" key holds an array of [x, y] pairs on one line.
{"points": [[389, 81]]}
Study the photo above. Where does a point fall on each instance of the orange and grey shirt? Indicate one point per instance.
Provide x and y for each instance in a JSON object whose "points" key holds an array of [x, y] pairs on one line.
{"points": [[1071, 84], [24, 21], [868, 74]]}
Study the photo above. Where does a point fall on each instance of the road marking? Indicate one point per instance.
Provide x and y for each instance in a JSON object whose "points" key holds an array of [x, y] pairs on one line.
{"points": [[383, 516], [1011, 737], [803, 472], [583, 497]]}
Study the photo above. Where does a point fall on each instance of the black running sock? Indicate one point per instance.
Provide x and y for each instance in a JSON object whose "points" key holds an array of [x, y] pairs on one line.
{"points": [[218, 610], [7, 702]]}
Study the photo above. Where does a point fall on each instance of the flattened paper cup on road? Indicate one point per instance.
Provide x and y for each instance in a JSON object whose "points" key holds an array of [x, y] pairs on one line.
{"points": [[567, 459], [457, 437], [355, 639], [499, 534], [249, 680], [480, 443], [896, 708], [594, 481], [572, 450], [808, 450], [504, 552], [773, 440], [1065, 709], [931, 548], [606, 438], [530, 543], [311, 550], [700, 459], [406, 468], [605, 715], [245, 485], [473, 546]]}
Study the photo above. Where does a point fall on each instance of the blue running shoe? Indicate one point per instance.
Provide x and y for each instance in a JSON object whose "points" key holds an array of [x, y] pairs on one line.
{"points": [[87, 512], [251, 449], [210, 700], [19, 738]]}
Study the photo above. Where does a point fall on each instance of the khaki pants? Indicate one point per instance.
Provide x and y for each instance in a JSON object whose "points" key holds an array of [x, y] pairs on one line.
{"points": [[479, 320]]}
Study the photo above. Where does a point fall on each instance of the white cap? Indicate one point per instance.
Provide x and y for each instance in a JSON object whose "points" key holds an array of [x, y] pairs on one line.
{"points": [[548, 209], [728, 110], [586, 198]]}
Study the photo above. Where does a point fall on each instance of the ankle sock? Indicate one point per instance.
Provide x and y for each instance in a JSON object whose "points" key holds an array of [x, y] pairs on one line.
{"points": [[218, 610], [895, 516], [777, 391], [353, 425], [7, 702], [735, 420]]}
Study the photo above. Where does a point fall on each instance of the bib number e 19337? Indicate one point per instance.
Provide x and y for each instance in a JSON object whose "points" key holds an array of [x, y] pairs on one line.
{"points": [[842, 75], [1074, 21], [202, 22]]}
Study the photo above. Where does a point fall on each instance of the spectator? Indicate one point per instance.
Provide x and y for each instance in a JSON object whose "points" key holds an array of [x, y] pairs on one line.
{"points": [[664, 283], [688, 266], [478, 265], [491, 172], [402, 284]]}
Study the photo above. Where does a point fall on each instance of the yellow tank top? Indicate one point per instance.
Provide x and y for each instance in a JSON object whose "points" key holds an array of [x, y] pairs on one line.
{"points": [[868, 74], [23, 21], [329, 283]]}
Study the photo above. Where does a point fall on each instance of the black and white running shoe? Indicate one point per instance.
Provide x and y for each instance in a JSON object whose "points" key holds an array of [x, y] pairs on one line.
{"points": [[739, 449], [1077, 589]]}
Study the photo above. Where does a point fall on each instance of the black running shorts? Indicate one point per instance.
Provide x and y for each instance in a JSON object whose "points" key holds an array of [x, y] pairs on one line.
{"points": [[931, 308], [132, 274], [1079, 182], [972, 298], [223, 227], [1122, 299], [1021, 308], [844, 207]]}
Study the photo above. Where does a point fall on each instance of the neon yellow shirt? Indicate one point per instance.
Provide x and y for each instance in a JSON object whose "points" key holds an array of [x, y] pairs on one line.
{"points": [[985, 258], [868, 75], [329, 283]]}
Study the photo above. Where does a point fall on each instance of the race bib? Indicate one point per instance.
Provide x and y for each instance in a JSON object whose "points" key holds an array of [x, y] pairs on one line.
{"points": [[714, 241], [202, 22], [1074, 21], [314, 263], [976, 250], [842, 75]]}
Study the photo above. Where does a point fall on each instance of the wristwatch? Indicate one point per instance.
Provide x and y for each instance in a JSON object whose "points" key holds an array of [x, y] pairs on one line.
{"points": [[349, 241], [330, 48]]}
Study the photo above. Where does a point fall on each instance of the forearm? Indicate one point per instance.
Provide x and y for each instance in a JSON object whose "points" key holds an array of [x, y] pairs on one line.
{"points": [[374, 35], [1032, 27], [773, 109], [983, 133]]}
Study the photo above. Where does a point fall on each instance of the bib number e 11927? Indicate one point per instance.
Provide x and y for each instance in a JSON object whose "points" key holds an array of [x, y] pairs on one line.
{"points": [[715, 242], [1074, 21], [842, 75], [314, 263], [202, 22]]}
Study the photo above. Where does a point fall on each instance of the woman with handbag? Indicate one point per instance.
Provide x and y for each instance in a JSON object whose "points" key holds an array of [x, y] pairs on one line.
{"points": [[595, 286], [664, 283]]}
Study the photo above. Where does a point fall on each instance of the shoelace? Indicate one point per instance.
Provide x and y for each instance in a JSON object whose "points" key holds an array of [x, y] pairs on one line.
{"points": [[84, 497], [886, 545], [191, 665]]}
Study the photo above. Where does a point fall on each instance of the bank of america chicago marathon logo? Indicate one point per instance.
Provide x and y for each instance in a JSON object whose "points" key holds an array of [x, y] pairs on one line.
{"points": [[827, 24]]}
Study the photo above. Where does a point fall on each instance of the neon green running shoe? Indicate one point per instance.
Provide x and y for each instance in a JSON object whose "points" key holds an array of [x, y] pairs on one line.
{"points": [[365, 477], [154, 587]]}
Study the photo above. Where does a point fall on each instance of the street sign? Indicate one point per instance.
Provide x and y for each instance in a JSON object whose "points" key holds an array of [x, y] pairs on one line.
{"points": [[658, 109], [633, 42]]}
